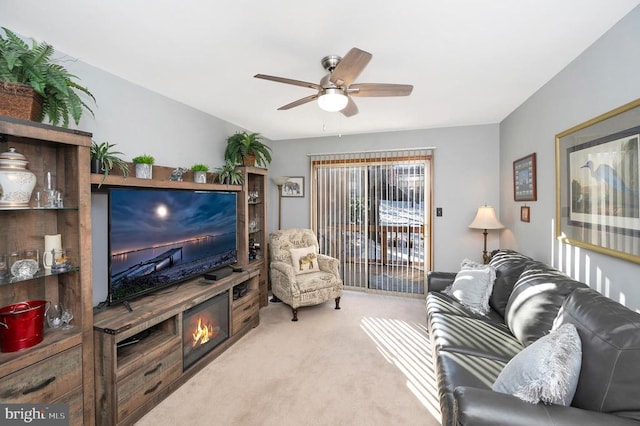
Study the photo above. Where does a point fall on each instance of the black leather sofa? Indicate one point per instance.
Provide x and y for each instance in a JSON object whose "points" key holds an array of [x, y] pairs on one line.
{"points": [[471, 349]]}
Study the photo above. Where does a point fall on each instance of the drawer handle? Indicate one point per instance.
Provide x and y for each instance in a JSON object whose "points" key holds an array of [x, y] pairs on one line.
{"points": [[246, 320], [247, 307], [40, 386], [153, 389], [153, 370]]}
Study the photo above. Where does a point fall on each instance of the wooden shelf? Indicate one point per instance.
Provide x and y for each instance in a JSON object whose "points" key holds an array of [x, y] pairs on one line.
{"points": [[132, 181]]}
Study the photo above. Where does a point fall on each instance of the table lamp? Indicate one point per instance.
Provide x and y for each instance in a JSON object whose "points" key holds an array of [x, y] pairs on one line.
{"points": [[486, 219]]}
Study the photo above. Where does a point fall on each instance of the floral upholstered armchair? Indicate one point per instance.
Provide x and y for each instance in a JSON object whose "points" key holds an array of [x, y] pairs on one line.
{"points": [[300, 275]]}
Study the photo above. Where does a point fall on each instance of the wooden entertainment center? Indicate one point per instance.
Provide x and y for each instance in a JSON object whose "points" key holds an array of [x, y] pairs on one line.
{"points": [[87, 367], [139, 353]]}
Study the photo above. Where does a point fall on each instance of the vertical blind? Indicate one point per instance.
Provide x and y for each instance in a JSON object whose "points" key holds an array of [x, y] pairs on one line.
{"points": [[371, 211]]}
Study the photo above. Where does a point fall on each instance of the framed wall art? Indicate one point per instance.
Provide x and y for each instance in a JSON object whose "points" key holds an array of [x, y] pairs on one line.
{"points": [[524, 179], [293, 187], [525, 214], [597, 183]]}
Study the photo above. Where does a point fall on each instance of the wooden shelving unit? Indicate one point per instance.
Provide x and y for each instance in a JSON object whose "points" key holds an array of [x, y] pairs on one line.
{"points": [[131, 380], [253, 202], [60, 368]]}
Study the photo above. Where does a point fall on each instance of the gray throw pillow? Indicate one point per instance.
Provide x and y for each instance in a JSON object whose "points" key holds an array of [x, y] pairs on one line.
{"points": [[472, 287], [546, 371]]}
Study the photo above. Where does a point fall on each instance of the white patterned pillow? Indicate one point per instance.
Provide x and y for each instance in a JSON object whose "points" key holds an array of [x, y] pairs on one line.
{"points": [[305, 260], [472, 286], [546, 371]]}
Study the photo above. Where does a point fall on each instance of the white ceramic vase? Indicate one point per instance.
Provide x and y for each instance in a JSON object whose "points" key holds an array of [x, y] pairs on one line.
{"points": [[16, 182]]}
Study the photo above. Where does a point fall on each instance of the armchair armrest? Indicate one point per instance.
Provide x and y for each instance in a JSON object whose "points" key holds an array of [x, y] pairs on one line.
{"points": [[283, 277], [438, 281], [329, 264], [480, 407]]}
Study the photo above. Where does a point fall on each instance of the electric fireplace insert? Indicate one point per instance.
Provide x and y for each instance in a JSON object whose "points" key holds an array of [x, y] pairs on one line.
{"points": [[204, 327]]}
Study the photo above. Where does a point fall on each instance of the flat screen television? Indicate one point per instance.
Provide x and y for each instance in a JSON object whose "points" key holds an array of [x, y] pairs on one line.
{"points": [[160, 237]]}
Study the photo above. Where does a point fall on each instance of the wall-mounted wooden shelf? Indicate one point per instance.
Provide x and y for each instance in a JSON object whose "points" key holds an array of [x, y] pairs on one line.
{"points": [[132, 181]]}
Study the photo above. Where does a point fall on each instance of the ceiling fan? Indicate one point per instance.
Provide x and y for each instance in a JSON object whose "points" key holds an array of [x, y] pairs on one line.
{"points": [[336, 90]]}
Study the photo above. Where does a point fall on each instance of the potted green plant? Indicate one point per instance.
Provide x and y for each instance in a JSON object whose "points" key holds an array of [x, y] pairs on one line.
{"points": [[103, 159], [33, 85], [247, 149], [144, 166], [200, 173], [229, 174]]}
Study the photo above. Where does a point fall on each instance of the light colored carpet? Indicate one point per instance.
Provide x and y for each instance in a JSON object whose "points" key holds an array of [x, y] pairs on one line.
{"points": [[367, 364]]}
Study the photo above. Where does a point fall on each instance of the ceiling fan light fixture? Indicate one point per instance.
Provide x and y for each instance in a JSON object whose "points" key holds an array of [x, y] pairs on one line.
{"points": [[333, 100]]}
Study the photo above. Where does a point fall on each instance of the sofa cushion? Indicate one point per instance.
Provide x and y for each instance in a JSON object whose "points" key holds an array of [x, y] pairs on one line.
{"points": [[610, 335], [438, 302], [473, 336], [545, 371], [509, 265], [536, 299]]}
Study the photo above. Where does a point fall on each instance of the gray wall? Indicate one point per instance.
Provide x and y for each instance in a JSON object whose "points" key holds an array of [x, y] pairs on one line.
{"points": [[466, 161], [604, 77]]}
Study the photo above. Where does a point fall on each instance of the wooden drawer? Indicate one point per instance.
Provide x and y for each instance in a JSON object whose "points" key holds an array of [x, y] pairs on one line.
{"points": [[45, 381], [245, 311], [144, 383], [76, 412]]}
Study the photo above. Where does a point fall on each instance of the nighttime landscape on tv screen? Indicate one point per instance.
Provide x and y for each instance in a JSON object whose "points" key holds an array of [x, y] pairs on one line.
{"points": [[161, 237]]}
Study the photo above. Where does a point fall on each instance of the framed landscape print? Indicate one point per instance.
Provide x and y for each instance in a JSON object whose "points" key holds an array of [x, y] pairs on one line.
{"points": [[524, 179], [525, 214], [597, 183]]}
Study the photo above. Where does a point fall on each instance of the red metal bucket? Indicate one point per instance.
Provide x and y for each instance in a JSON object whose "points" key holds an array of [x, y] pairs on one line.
{"points": [[21, 325]]}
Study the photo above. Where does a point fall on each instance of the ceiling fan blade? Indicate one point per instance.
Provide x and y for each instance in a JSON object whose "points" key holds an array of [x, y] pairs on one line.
{"points": [[350, 67], [289, 81], [299, 102], [379, 89], [350, 109]]}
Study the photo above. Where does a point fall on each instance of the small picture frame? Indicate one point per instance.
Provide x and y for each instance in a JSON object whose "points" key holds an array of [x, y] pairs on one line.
{"points": [[293, 187], [524, 179], [525, 214]]}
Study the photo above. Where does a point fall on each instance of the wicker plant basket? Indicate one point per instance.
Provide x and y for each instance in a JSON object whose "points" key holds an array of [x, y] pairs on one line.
{"points": [[249, 160], [20, 101]]}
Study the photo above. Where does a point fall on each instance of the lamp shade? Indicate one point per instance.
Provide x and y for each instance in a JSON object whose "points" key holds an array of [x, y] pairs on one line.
{"points": [[333, 100], [280, 180], [486, 219]]}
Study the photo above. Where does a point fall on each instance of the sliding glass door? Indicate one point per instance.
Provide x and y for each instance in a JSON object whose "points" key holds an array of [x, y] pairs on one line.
{"points": [[371, 211]]}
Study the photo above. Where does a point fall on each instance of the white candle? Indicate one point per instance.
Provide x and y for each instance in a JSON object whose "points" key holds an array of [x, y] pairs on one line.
{"points": [[51, 242], [49, 181]]}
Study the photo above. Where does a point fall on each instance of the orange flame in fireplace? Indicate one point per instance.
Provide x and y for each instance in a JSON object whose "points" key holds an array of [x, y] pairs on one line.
{"points": [[203, 333]]}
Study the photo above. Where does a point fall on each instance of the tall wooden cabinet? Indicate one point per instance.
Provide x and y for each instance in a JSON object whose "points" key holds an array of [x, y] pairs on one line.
{"points": [[254, 200], [60, 368]]}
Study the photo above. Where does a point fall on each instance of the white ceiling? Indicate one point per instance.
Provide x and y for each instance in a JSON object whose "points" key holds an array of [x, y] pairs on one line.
{"points": [[470, 61]]}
